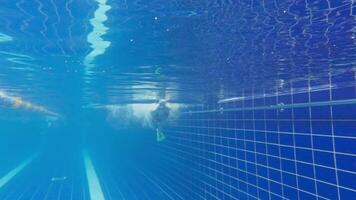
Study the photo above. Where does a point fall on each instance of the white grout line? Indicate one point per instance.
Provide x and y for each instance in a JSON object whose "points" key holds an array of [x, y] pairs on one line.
{"points": [[95, 190], [5, 179]]}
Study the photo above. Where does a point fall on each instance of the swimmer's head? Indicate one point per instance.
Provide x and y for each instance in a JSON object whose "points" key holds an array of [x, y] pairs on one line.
{"points": [[162, 101]]}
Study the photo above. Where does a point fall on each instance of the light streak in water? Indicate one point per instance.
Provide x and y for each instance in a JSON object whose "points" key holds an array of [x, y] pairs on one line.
{"points": [[230, 99], [5, 38], [20, 59]]}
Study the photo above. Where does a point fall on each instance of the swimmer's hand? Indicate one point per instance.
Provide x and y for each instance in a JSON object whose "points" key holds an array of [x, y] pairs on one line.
{"points": [[160, 135]]}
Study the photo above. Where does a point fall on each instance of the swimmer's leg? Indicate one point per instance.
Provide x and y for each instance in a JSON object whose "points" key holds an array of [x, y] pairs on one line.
{"points": [[160, 135]]}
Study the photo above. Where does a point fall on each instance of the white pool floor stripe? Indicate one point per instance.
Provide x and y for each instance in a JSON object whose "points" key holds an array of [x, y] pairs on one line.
{"points": [[5, 179], [95, 190]]}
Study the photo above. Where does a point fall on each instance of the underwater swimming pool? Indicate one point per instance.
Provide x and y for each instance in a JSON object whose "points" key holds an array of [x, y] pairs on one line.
{"points": [[177, 99]]}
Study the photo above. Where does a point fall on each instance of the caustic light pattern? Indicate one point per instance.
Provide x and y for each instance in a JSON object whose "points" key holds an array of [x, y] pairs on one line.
{"points": [[177, 99]]}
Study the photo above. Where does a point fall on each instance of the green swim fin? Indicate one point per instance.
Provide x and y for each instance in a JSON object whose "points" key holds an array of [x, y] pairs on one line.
{"points": [[160, 135]]}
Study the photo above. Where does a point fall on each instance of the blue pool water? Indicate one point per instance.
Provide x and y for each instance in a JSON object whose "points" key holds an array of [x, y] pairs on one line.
{"points": [[177, 99]]}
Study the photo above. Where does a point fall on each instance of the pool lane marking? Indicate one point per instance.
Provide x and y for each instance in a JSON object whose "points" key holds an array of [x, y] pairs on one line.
{"points": [[5, 179], [95, 190], [283, 106]]}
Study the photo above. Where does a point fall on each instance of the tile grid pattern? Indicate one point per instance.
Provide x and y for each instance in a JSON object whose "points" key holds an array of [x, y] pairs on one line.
{"points": [[253, 149]]}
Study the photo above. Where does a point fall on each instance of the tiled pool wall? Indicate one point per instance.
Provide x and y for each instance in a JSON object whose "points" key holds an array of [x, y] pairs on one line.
{"points": [[296, 145]]}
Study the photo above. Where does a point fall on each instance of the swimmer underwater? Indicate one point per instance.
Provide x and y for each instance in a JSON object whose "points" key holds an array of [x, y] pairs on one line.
{"points": [[158, 117]]}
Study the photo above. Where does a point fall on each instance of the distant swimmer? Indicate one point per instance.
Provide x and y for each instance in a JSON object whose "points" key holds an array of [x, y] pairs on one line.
{"points": [[158, 117]]}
